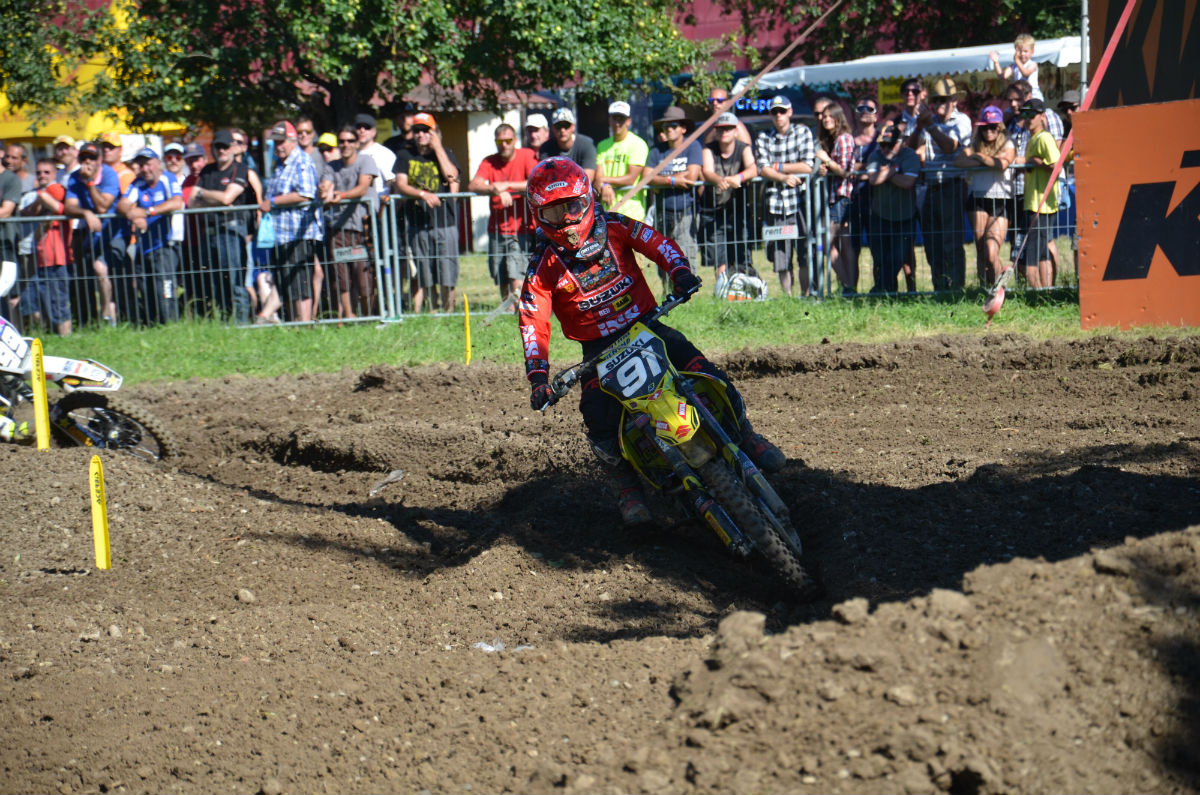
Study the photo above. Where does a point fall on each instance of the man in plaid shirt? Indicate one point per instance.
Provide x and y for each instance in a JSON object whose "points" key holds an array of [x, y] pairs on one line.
{"points": [[298, 229], [785, 159]]}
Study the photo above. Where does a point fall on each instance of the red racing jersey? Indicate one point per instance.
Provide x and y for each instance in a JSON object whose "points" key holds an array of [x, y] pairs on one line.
{"points": [[595, 298]]}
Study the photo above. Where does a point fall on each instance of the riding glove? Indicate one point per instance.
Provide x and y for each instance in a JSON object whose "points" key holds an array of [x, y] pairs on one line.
{"points": [[539, 395], [684, 282]]}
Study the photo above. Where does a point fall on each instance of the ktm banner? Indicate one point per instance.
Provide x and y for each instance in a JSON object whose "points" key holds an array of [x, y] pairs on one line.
{"points": [[1137, 185]]}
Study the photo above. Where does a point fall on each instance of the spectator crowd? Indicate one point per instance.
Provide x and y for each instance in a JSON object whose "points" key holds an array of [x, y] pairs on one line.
{"points": [[106, 240]]}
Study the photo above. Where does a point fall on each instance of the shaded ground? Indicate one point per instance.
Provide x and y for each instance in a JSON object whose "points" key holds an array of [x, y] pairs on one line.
{"points": [[1008, 532]]}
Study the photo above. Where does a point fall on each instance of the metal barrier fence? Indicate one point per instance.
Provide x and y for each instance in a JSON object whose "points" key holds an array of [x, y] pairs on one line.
{"points": [[411, 257]]}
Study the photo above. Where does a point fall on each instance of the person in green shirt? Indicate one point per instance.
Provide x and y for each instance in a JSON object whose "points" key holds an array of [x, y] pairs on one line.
{"points": [[1041, 154], [620, 159]]}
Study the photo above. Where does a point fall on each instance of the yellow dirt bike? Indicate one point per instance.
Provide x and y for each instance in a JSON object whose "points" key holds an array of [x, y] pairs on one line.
{"points": [[678, 430]]}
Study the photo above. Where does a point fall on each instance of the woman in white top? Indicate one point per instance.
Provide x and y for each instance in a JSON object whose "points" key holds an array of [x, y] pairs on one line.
{"points": [[990, 156]]}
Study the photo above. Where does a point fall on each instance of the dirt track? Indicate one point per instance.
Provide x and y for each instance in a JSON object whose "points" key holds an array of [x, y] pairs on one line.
{"points": [[1008, 532]]}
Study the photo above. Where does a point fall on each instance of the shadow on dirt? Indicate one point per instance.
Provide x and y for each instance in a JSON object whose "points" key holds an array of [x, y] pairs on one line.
{"points": [[881, 542]]}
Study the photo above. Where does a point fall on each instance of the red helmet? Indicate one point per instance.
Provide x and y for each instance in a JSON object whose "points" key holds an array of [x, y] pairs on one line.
{"points": [[560, 194]]}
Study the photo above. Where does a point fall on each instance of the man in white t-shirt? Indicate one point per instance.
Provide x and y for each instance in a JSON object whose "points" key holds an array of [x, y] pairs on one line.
{"points": [[385, 158], [944, 132]]}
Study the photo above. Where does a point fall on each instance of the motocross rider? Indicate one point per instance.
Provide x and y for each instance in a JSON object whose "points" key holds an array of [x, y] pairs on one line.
{"points": [[582, 270]]}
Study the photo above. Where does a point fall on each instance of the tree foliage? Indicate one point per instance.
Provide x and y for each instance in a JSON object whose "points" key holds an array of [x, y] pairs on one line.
{"points": [[250, 60], [866, 27]]}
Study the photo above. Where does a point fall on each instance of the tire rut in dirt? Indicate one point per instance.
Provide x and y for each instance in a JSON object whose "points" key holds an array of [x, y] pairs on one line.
{"points": [[736, 500], [154, 443]]}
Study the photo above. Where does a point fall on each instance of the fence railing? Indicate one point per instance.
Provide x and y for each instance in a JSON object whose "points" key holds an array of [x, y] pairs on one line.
{"points": [[408, 257]]}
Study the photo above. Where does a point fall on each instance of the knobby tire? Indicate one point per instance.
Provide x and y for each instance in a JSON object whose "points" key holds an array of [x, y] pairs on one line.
{"points": [[737, 501], [130, 417]]}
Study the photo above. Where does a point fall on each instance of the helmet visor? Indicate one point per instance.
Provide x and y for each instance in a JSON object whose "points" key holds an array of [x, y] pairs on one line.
{"points": [[566, 213]]}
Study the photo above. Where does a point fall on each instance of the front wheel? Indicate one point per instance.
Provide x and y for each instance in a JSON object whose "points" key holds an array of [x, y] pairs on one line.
{"points": [[97, 419], [733, 496]]}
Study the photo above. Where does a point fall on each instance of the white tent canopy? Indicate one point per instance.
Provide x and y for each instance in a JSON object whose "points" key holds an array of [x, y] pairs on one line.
{"points": [[959, 60]]}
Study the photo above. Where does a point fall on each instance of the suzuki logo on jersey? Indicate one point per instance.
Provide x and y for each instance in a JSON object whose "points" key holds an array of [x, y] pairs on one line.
{"points": [[529, 337], [607, 295], [669, 252]]}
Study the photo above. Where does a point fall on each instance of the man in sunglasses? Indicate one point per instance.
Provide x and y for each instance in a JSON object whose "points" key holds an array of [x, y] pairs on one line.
{"points": [[785, 159], [717, 100], [674, 200], [364, 125], [223, 183], [503, 177], [944, 132], [352, 178], [564, 140]]}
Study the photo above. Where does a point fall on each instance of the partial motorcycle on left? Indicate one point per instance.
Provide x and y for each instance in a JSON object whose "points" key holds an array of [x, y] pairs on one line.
{"points": [[84, 409]]}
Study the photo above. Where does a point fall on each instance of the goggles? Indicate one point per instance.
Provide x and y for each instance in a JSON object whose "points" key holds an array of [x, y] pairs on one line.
{"points": [[566, 213]]}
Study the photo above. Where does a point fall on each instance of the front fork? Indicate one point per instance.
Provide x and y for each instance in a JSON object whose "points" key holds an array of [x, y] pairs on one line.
{"points": [[741, 463]]}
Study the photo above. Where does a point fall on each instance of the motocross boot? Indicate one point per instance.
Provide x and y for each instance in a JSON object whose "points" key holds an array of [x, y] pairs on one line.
{"points": [[768, 457], [630, 499]]}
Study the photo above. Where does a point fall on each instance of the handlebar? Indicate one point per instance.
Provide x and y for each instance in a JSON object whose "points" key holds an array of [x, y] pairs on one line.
{"points": [[565, 380]]}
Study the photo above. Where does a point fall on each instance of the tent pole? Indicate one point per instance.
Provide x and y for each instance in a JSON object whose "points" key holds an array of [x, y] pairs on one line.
{"points": [[1083, 52]]}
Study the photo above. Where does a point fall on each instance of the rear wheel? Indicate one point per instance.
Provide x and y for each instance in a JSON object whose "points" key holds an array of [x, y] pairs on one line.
{"points": [[737, 501], [108, 422]]}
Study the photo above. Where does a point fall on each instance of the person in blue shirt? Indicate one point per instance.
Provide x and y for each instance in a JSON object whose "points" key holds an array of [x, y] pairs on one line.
{"points": [[151, 197], [92, 191]]}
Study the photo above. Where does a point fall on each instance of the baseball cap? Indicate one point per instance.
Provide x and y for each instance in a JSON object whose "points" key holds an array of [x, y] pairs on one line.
{"points": [[726, 119], [174, 146], [146, 153], [619, 108], [426, 120], [111, 137], [223, 137], [88, 149], [283, 130], [364, 120], [1071, 97], [990, 115], [192, 150], [563, 114], [327, 139], [65, 140], [1033, 107], [780, 101], [890, 135], [537, 120]]}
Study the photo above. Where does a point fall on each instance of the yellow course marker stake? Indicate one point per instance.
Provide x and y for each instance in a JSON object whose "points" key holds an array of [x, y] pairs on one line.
{"points": [[99, 514], [467, 323], [41, 415]]}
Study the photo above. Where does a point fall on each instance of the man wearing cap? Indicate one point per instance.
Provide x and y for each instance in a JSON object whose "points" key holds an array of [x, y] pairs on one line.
{"points": [[113, 149], [1067, 107], [223, 183], [537, 131], [289, 195], [152, 196], [620, 159], [352, 178], [1041, 154], [503, 177], [944, 132], [385, 158], [674, 201], [564, 140], [327, 145], [65, 155], [892, 172], [785, 159], [92, 190], [718, 99], [726, 164], [422, 172], [173, 160]]}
